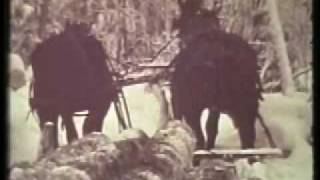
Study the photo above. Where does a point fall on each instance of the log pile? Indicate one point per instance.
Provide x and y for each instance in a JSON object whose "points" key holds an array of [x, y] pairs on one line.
{"points": [[166, 155]]}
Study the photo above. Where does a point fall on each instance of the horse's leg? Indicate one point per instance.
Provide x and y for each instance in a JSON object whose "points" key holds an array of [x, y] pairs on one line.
{"points": [[193, 119], [70, 126], [212, 128], [176, 106], [246, 126], [94, 122], [45, 115]]}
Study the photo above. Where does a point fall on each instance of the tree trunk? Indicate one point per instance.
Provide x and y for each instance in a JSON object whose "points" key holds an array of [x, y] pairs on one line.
{"points": [[43, 10], [287, 83]]}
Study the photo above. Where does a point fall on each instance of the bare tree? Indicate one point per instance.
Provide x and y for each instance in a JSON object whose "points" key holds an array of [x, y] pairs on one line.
{"points": [[278, 40]]}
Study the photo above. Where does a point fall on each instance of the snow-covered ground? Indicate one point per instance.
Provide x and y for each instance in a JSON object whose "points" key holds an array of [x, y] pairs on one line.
{"points": [[289, 119]]}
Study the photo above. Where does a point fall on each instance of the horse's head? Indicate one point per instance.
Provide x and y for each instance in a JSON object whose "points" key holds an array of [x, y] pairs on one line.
{"points": [[79, 29], [195, 19]]}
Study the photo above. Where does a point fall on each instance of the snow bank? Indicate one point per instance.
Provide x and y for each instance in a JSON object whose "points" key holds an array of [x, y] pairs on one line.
{"points": [[24, 134], [16, 72]]}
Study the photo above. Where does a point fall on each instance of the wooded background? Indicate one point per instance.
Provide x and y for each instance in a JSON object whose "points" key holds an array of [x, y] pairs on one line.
{"points": [[133, 31]]}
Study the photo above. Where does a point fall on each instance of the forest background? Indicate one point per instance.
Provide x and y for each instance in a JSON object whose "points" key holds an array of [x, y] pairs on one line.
{"points": [[133, 31]]}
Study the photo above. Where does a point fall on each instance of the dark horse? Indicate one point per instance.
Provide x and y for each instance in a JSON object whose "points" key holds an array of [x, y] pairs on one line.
{"points": [[70, 75], [219, 71]]}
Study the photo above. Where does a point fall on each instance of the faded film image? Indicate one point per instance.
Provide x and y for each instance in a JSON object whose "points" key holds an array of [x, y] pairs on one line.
{"points": [[160, 90]]}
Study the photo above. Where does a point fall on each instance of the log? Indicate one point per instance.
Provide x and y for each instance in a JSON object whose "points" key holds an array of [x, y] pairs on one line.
{"points": [[216, 169], [166, 155]]}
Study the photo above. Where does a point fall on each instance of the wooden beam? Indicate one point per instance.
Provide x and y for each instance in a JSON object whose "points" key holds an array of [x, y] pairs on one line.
{"points": [[153, 66], [238, 153]]}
